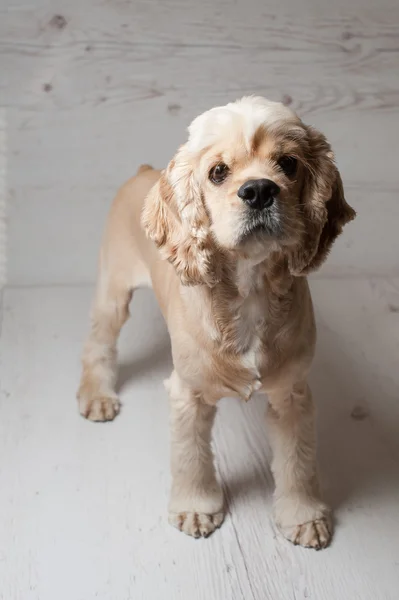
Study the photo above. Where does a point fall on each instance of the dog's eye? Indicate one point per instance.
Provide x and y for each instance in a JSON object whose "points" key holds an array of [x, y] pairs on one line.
{"points": [[218, 173], [288, 164]]}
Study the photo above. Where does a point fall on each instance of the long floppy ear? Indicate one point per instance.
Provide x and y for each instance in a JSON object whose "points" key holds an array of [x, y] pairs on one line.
{"points": [[324, 207], [175, 219]]}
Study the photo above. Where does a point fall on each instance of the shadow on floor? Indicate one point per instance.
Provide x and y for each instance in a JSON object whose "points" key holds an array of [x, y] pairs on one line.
{"points": [[357, 431], [156, 360]]}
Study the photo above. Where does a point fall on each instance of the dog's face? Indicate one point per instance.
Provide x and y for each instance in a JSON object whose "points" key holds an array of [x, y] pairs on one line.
{"points": [[249, 166], [252, 178]]}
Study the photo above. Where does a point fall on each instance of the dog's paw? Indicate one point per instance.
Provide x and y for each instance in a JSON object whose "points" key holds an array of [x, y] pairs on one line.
{"points": [[196, 524], [314, 534], [304, 521], [98, 407]]}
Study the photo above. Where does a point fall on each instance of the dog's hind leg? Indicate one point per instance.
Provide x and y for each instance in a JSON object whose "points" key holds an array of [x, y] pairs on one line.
{"points": [[96, 396], [121, 271]]}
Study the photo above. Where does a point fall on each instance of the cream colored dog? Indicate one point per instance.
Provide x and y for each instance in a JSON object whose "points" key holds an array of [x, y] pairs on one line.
{"points": [[225, 236]]}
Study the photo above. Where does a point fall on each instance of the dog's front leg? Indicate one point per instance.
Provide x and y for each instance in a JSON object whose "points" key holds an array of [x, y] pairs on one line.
{"points": [[196, 500], [301, 515]]}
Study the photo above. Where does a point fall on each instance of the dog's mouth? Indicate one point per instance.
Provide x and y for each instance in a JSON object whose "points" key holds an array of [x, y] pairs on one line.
{"points": [[262, 224]]}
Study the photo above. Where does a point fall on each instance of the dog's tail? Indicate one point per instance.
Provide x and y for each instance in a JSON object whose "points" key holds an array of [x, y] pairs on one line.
{"points": [[143, 168]]}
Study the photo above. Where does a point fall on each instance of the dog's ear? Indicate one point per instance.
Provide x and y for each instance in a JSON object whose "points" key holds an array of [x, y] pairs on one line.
{"points": [[323, 206], [175, 219]]}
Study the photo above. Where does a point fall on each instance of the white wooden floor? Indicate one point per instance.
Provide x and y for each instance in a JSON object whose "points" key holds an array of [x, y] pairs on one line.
{"points": [[83, 505], [88, 91]]}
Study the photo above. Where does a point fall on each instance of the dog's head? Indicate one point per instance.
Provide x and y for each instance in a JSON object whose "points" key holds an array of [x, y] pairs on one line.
{"points": [[252, 178]]}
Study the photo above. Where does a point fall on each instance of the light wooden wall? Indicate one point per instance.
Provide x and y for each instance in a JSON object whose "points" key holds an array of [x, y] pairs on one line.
{"points": [[93, 88]]}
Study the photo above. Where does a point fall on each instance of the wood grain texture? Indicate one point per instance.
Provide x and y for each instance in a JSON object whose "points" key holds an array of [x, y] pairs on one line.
{"points": [[3, 196], [83, 505], [93, 89]]}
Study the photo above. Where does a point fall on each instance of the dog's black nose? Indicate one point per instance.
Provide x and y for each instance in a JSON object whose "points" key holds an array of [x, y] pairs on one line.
{"points": [[258, 193]]}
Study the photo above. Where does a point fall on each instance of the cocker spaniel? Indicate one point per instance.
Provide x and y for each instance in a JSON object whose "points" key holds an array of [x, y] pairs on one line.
{"points": [[225, 236]]}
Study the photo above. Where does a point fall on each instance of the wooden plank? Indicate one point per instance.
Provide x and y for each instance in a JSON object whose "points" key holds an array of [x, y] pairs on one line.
{"points": [[90, 93], [84, 506], [109, 55]]}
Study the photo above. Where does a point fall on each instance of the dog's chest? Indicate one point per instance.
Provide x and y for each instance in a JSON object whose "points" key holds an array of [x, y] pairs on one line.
{"points": [[250, 314], [227, 356], [250, 326], [244, 360]]}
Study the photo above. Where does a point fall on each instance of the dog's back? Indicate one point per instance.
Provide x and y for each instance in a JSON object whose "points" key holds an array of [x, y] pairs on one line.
{"points": [[126, 252]]}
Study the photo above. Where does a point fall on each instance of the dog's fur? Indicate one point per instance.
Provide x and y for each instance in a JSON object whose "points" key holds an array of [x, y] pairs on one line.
{"points": [[235, 298]]}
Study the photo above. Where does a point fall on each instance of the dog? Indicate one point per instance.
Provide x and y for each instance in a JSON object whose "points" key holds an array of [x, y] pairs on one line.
{"points": [[226, 236]]}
